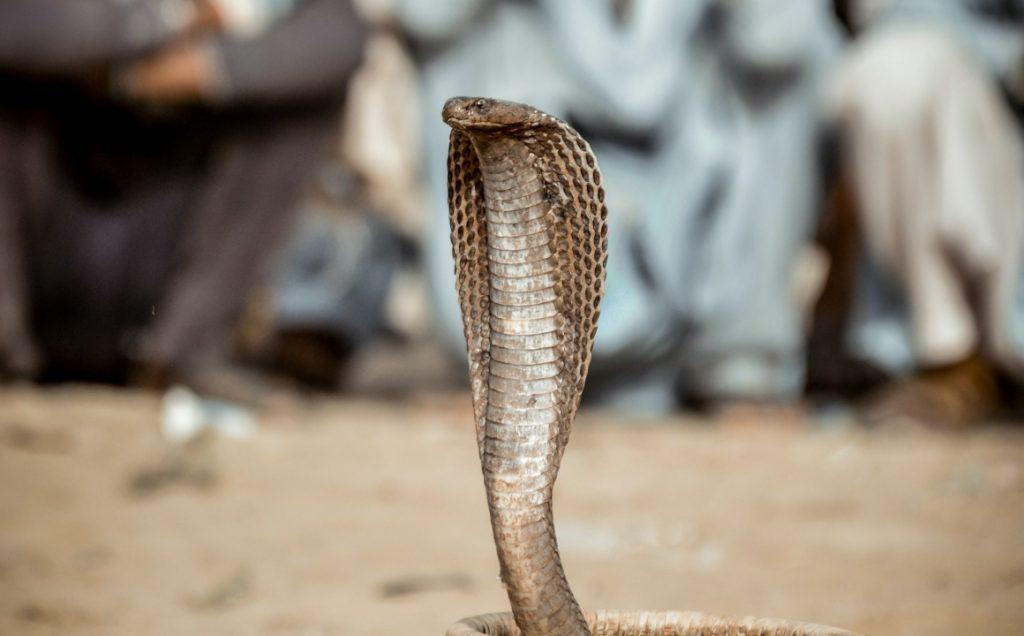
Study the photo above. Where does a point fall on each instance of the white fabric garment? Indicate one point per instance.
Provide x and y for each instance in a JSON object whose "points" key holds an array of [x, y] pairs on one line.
{"points": [[246, 19], [703, 117], [935, 158]]}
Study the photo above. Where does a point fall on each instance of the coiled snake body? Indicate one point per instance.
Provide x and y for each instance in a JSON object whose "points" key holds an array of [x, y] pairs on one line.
{"points": [[529, 237]]}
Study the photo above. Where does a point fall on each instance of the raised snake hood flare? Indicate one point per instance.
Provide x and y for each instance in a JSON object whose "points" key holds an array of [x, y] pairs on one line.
{"points": [[530, 241]]}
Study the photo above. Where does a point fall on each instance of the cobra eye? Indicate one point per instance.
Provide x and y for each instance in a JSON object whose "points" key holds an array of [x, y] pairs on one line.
{"points": [[479, 104]]}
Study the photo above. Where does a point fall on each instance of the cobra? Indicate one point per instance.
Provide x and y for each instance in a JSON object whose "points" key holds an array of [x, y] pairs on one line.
{"points": [[529, 237]]}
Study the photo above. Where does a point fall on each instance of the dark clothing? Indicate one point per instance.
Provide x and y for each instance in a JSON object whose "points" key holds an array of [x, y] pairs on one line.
{"points": [[309, 54], [70, 36], [129, 234]]}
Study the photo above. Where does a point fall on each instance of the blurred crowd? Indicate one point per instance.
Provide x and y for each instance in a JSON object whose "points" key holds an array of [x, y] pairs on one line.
{"points": [[805, 198]]}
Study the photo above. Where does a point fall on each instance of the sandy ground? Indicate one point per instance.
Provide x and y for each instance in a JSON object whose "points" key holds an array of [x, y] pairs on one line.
{"points": [[360, 518]]}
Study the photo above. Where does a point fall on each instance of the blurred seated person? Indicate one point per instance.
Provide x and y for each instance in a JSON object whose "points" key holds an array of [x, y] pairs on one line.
{"points": [[932, 158], [151, 156], [702, 116]]}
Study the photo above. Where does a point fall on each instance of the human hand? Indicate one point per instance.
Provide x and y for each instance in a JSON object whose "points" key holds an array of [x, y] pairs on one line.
{"points": [[207, 18], [183, 73]]}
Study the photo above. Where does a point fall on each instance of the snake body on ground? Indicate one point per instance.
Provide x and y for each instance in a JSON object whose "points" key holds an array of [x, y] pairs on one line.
{"points": [[530, 242]]}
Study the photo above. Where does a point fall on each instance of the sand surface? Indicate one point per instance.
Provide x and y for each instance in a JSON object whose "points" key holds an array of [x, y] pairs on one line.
{"points": [[359, 517]]}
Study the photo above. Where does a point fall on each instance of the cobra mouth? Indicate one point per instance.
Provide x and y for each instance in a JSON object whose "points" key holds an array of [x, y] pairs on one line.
{"points": [[465, 124]]}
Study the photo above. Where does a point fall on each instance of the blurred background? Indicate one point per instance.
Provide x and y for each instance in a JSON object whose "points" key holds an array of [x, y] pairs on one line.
{"points": [[232, 370]]}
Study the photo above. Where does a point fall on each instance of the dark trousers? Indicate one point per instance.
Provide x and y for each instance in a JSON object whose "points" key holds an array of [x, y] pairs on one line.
{"points": [[129, 240]]}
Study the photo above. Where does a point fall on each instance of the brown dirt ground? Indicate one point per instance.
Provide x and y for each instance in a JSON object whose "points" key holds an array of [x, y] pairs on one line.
{"points": [[357, 517]]}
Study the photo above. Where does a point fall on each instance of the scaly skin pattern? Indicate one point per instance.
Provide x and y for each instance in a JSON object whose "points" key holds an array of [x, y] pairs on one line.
{"points": [[529, 237]]}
